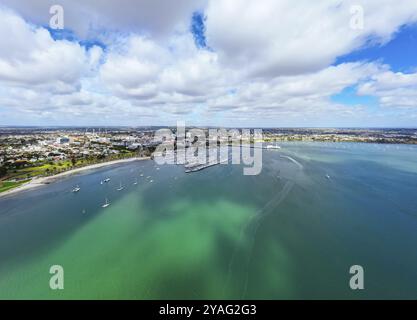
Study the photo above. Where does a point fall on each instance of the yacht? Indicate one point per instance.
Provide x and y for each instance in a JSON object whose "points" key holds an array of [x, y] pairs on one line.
{"points": [[120, 188], [273, 146], [106, 204]]}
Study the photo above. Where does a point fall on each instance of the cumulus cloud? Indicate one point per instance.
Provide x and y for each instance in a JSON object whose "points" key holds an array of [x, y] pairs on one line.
{"points": [[29, 56], [394, 89], [146, 70], [285, 37], [304, 95], [263, 62], [88, 17]]}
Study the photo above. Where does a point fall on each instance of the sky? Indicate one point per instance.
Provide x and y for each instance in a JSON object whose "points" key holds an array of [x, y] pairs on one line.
{"points": [[242, 63]]}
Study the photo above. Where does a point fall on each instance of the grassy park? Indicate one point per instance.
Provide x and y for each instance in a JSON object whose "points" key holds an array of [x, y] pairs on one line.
{"points": [[18, 176]]}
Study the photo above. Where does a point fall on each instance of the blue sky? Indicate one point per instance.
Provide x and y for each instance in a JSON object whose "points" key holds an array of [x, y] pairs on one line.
{"points": [[207, 62], [400, 52], [349, 97], [198, 29]]}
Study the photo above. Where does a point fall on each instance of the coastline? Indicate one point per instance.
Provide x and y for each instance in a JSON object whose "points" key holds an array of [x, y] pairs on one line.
{"points": [[41, 181]]}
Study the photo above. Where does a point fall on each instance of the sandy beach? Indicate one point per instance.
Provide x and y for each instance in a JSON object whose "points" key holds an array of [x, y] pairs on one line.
{"points": [[41, 181]]}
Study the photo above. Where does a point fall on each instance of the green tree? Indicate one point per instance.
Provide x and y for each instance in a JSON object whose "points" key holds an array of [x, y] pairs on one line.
{"points": [[3, 171]]}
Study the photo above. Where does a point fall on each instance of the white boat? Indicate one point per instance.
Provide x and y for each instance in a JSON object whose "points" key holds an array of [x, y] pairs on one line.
{"points": [[120, 188], [107, 180], [76, 189], [273, 146], [106, 204], [136, 182], [327, 176]]}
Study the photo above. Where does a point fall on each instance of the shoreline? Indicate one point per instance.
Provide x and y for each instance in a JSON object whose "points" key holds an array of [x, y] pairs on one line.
{"points": [[42, 181]]}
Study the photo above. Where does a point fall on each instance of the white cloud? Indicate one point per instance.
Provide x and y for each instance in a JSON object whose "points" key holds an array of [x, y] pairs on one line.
{"points": [[30, 57], [393, 89], [268, 62], [273, 38], [296, 94], [88, 17], [146, 70]]}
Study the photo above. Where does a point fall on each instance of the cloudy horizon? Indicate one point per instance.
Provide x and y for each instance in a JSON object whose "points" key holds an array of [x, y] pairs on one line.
{"points": [[209, 63]]}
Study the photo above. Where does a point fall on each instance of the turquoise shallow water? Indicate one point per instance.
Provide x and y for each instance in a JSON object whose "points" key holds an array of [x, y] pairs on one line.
{"points": [[289, 233]]}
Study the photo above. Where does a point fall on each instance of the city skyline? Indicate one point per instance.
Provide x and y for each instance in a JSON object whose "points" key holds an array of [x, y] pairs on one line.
{"points": [[311, 66]]}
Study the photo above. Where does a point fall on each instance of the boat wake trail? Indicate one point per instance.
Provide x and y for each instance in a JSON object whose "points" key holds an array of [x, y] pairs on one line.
{"points": [[293, 160], [241, 257]]}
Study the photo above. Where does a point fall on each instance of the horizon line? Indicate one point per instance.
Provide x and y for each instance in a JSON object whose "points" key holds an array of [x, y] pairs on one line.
{"points": [[201, 126]]}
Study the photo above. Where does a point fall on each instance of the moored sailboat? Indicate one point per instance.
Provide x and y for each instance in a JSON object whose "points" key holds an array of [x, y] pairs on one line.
{"points": [[106, 204]]}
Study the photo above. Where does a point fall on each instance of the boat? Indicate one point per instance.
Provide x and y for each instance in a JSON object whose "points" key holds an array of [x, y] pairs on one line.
{"points": [[106, 204], [136, 182], [327, 176], [273, 146], [107, 180], [76, 189], [120, 188]]}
